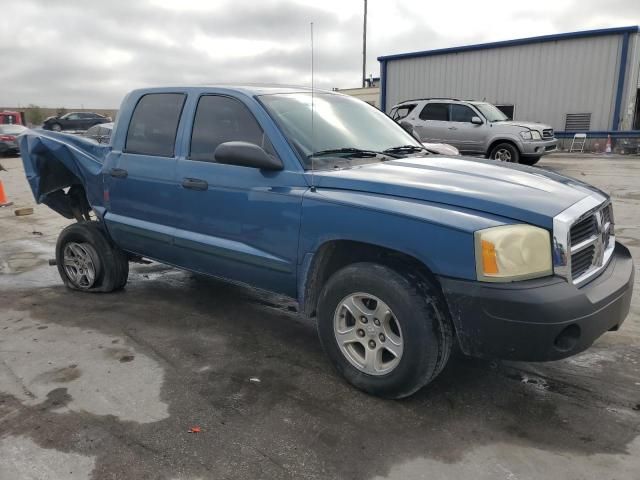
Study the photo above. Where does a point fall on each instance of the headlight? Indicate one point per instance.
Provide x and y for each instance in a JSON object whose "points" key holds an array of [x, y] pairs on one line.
{"points": [[530, 135], [512, 252]]}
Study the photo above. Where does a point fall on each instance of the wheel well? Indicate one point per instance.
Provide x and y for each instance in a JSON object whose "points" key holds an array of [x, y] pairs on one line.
{"points": [[504, 140], [334, 255]]}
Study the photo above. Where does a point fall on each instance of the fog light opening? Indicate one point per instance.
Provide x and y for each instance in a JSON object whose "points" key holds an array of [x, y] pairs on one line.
{"points": [[568, 338]]}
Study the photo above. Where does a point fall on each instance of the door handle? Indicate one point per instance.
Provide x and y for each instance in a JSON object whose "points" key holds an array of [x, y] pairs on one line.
{"points": [[119, 173], [195, 184], [453, 128]]}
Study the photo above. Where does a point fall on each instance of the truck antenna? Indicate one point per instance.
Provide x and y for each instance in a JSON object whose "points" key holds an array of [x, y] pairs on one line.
{"points": [[313, 185]]}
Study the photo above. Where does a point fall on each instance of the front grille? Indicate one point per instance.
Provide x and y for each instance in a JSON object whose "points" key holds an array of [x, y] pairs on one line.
{"points": [[581, 261], [583, 230], [590, 243], [547, 133], [549, 147]]}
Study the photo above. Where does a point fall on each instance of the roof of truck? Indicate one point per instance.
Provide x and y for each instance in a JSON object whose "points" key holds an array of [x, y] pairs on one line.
{"points": [[246, 88]]}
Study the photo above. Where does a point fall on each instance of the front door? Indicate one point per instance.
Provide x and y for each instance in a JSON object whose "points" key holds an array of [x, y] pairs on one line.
{"points": [[462, 134], [141, 194], [238, 223]]}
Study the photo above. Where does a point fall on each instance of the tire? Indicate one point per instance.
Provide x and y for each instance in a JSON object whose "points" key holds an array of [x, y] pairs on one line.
{"points": [[529, 160], [505, 152], [417, 310], [94, 263], [56, 127]]}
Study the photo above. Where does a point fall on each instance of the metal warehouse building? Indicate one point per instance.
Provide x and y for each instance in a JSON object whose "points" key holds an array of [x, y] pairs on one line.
{"points": [[579, 81]]}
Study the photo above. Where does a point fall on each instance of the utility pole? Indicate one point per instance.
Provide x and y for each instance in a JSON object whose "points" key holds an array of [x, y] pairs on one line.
{"points": [[364, 47]]}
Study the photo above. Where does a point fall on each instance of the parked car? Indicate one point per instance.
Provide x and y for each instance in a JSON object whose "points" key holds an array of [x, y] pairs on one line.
{"points": [[475, 128], [11, 118], [9, 138], [74, 121], [398, 253], [100, 133]]}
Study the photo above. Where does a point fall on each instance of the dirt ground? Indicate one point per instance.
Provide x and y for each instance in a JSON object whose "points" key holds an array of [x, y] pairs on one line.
{"points": [[108, 386]]}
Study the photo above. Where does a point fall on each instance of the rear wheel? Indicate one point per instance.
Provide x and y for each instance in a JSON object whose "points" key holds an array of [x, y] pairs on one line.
{"points": [[87, 260], [529, 160], [56, 127], [505, 152], [385, 333]]}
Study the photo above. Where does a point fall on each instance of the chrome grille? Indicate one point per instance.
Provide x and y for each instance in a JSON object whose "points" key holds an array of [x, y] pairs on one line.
{"points": [[584, 229], [547, 133], [581, 261], [583, 239]]}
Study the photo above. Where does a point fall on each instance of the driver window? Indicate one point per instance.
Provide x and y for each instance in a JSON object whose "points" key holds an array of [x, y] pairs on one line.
{"points": [[222, 119]]}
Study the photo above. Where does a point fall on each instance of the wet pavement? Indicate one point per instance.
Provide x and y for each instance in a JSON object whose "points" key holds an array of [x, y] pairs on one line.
{"points": [[107, 386]]}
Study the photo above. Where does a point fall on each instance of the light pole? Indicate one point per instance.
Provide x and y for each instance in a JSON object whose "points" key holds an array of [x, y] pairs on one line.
{"points": [[364, 47]]}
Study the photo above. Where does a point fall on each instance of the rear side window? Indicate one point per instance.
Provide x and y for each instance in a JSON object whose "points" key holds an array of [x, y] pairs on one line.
{"points": [[435, 111], [223, 119], [402, 111], [462, 113], [154, 124]]}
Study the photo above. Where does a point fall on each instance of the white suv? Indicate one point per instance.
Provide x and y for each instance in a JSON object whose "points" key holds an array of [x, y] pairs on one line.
{"points": [[475, 128]]}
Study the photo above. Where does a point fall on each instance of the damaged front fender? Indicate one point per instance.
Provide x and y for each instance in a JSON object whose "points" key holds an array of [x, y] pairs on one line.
{"points": [[64, 171]]}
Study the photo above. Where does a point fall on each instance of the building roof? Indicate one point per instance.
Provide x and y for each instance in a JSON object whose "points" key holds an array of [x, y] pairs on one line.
{"points": [[512, 43]]}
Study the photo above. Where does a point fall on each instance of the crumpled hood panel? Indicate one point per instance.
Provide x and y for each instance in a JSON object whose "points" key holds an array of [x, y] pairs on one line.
{"points": [[528, 194]]}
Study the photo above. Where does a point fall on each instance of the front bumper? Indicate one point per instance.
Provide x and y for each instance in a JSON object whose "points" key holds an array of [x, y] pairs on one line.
{"points": [[541, 319], [536, 148]]}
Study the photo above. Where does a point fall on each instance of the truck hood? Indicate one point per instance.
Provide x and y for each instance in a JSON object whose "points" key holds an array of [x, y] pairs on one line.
{"points": [[525, 194], [529, 125]]}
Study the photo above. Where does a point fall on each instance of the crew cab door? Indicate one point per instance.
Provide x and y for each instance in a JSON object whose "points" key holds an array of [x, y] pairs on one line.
{"points": [[462, 133], [238, 223], [141, 193], [431, 123]]}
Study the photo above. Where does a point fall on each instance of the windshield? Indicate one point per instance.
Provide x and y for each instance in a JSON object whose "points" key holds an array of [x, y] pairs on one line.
{"points": [[12, 129], [339, 123], [491, 112]]}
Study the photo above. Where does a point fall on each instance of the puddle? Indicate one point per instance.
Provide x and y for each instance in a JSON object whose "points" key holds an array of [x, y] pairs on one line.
{"points": [[100, 380]]}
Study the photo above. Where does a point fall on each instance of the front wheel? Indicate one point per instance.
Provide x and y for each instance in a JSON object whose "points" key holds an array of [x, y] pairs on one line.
{"points": [[87, 260], [386, 333], [56, 127], [505, 152]]}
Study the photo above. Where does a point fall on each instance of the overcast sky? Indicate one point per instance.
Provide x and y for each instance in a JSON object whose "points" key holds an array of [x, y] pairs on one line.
{"points": [[89, 53]]}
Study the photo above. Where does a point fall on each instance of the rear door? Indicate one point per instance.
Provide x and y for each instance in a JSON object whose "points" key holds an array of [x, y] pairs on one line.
{"points": [[238, 223], [141, 189], [462, 134], [432, 123]]}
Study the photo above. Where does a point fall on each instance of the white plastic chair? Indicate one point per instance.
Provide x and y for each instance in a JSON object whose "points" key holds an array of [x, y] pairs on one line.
{"points": [[579, 140]]}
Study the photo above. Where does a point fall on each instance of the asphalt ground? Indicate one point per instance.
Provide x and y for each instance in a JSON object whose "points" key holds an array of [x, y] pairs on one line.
{"points": [[108, 386]]}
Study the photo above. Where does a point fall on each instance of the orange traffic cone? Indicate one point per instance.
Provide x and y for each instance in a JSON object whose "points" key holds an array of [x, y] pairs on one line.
{"points": [[607, 148], [4, 202]]}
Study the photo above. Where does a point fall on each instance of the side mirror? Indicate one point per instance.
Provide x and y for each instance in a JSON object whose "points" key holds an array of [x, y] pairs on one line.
{"points": [[246, 154], [476, 120]]}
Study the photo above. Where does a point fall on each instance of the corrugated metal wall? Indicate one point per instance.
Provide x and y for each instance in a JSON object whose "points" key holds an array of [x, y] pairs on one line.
{"points": [[544, 81]]}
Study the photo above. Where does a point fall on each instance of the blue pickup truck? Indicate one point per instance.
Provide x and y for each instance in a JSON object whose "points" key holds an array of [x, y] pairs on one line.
{"points": [[399, 254]]}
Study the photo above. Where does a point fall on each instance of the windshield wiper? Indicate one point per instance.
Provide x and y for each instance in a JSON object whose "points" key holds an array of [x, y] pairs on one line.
{"points": [[348, 151], [405, 149]]}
